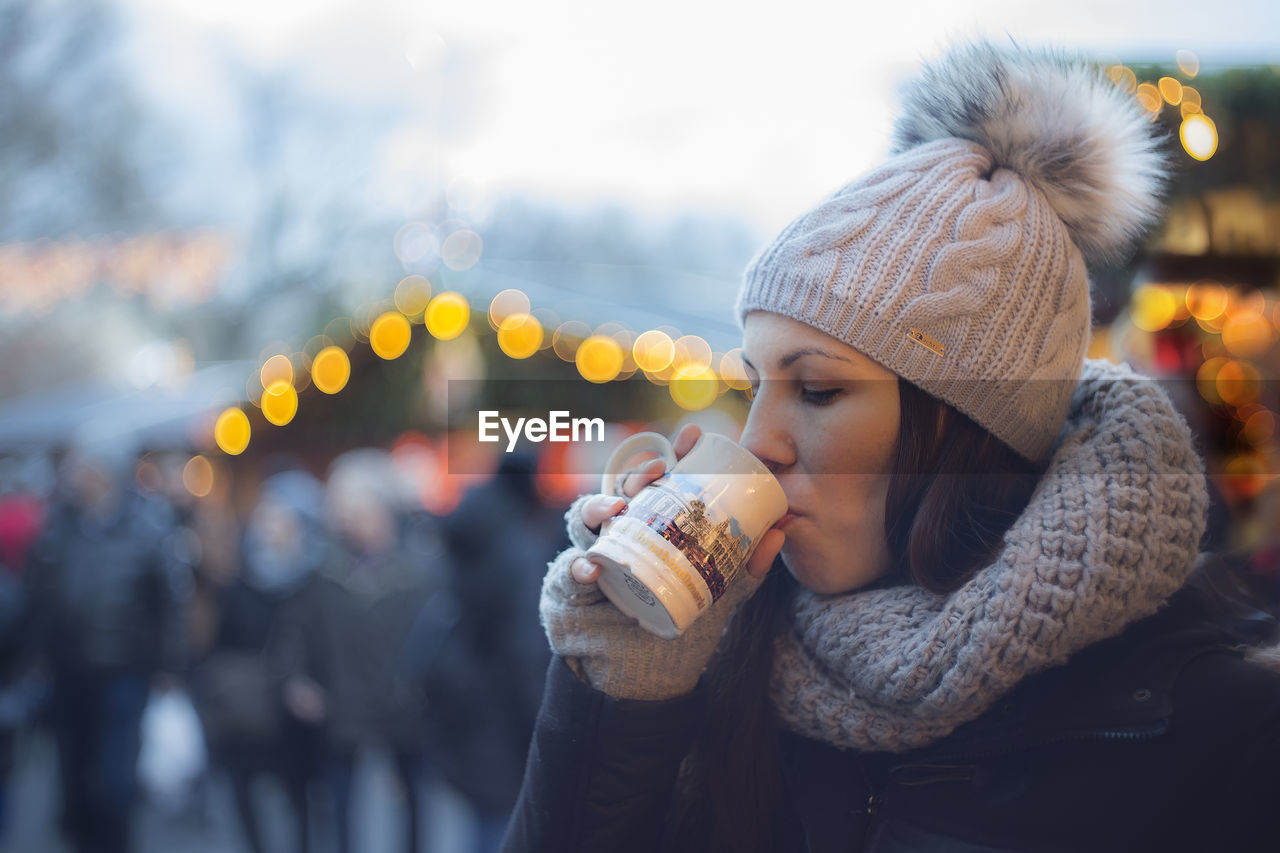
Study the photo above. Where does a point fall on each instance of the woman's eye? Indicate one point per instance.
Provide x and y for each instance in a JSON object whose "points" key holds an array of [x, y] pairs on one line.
{"points": [[818, 396]]}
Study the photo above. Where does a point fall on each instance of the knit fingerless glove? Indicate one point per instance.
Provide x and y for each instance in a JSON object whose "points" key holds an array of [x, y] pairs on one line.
{"points": [[609, 650]]}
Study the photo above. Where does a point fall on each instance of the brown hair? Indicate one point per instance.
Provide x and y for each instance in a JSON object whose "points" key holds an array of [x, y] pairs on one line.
{"points": [[955, 491]]}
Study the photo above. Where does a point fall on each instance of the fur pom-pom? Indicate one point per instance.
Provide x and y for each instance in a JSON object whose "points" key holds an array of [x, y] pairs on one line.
{"points": [[1060, 123]]}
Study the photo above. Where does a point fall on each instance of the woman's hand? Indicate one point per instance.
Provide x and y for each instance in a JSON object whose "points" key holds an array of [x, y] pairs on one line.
{"points": [[606, 648], [599, 509]]}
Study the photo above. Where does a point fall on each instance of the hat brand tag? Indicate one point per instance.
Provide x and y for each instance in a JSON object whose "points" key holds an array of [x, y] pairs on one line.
{"points": [[926, 341]]}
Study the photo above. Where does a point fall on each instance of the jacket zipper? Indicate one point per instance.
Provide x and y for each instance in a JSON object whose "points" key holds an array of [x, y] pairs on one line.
{"points": [[1130, 735]]}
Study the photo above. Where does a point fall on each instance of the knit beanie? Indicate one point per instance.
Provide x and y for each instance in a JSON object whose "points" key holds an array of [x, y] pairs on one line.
{"points": [[960, 263]]}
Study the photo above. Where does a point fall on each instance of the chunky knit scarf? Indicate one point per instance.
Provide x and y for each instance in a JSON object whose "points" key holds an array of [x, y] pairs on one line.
{"points": [[1110, 533]]}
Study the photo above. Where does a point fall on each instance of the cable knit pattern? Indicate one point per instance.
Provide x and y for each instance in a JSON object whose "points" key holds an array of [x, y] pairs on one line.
{"points": [[958, 263], [1112, 530]]}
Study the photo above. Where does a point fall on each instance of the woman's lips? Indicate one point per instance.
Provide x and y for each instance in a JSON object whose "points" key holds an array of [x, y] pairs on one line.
{"points": [[781, 524]]}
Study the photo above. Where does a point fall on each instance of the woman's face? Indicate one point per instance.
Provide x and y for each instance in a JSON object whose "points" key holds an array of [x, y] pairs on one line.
{"points": [[825, 421]]}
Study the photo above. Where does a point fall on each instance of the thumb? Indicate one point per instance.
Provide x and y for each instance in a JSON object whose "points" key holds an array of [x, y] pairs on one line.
{"points": [[766, 552]]}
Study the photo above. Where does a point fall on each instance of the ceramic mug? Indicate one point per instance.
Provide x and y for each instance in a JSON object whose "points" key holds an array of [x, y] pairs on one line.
{"points": [[683, 539]]}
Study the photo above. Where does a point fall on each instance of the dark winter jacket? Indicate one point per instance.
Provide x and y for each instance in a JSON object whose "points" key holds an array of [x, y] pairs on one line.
{"points": [[345, 631], [111, 595], [1162, 739]]}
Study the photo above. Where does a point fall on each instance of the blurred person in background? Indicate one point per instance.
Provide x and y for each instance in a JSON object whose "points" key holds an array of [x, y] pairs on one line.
{"points": [[479, 646], [248, 731], [109, 594], [340, 642]]}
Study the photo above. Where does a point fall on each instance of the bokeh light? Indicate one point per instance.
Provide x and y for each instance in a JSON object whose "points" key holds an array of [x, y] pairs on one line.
{"points": [[461, 250], [520, 335], [1246, 475], [1149, 97], [1259, 428], [599, 359], [1190, 101], [694, 388], [330, 369], [1199, 136], [197, 476], [507, 303], [1207, 379], [447, 315], [1238, 383], [691, 353], [279, 403], [414, 243], [1206, 300], [389, 335], [733, 370], [1153, 307], [1170, 90], [278, 368], [653, 350], [1247, 334], [568, 336], [412, 295], [1123, 77], [1188, 62], [231, 431]]}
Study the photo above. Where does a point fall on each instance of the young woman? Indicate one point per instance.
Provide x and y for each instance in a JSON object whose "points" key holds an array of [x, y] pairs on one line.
{"points": [[979, 635]]}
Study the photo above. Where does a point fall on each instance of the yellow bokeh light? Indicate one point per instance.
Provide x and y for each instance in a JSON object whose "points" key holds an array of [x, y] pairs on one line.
{"points": [[1206, 300], [1149, 97], [412, 295], [1259, 428], [1207, 379], [279, 403], [1199, 136], [1246, 474], [734, 371], [1247, 334], [520, 335], [447, 315], [694, 388], [1238, 383], [1153, 308], [653, 350], [691, 352], [1190, 101], [599, 359], [278, 368], [507, 303], [389, 335], [330, 370], [568, 336], [231, 431], [1188, 62], [1170, 90], [1123, 77], [197, 476]]}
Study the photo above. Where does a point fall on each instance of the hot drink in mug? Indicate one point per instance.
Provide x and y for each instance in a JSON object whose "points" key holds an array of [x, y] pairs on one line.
{"points": [[682, 540]]}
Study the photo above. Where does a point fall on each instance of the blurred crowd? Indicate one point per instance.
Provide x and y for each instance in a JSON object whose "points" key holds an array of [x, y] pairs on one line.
{"points": [[300, 628]]}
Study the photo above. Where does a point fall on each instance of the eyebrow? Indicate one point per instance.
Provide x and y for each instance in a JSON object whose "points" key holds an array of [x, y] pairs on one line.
{"points": [[795, 355]]}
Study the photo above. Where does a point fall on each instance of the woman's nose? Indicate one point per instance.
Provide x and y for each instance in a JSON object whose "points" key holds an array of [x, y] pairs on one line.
{"points": [[766, 434]]}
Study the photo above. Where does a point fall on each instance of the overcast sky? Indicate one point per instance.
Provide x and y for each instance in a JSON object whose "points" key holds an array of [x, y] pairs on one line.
{"points": [[760, 109]]}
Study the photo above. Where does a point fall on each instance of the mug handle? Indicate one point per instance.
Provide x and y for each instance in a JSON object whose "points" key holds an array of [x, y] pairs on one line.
{"points": [[638, 443]]}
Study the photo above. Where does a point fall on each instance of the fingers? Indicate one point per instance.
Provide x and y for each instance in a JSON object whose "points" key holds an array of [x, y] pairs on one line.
{"points": [[584, 571], [766, 552], [633, 481], [599, 509], [685, 439]]}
